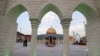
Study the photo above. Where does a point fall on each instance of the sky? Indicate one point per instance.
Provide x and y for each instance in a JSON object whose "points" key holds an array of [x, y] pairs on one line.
{"points": [[77, 25], [51, 19], [24, 25]]}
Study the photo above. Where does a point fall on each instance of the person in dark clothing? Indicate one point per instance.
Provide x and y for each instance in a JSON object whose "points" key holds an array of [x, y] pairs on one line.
{"points": [[25, 43]]}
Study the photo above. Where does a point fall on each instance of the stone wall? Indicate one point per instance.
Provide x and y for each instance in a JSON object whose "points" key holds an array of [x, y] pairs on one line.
{"points": [[93, 37]]}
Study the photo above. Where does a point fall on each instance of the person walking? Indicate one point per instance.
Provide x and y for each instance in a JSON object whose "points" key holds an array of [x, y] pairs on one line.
{"points": [[25, 43]]}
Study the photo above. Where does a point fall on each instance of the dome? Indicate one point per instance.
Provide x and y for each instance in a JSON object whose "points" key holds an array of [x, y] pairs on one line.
{"points": [[51, 31]]}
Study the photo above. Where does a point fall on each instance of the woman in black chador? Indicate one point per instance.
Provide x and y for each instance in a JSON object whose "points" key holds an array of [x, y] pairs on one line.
{"points": [[25, 42]]}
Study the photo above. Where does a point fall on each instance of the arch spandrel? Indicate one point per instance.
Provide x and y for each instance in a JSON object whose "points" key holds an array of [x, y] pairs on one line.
{"points": [[50, 7], [86, 10], [15, 11]]}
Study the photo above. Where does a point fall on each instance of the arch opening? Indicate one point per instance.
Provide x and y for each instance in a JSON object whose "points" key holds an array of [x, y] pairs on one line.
{"points": [[50, 32], [82, 11], [77, 33], [77, 27]]}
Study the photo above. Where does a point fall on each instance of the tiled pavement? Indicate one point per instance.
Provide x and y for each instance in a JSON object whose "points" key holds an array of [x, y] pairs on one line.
{"points": [[42, 50]]}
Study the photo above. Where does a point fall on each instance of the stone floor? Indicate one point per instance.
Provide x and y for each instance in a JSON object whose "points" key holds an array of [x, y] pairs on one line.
{"points": [[42, 50]]}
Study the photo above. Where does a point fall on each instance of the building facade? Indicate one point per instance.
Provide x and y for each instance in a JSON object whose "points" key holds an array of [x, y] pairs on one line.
{"points": [[51, 32]]}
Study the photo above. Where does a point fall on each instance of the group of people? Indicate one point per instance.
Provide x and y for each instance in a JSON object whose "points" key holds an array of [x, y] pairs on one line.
{"points": [[50, 41]]}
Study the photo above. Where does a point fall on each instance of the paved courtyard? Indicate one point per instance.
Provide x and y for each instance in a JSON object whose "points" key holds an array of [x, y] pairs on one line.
{"points": [[42, 50]]}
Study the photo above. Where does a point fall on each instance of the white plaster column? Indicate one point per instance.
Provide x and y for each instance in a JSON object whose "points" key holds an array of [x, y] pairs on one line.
{"points": [[65, 25], [93, 37], [35, 24]]}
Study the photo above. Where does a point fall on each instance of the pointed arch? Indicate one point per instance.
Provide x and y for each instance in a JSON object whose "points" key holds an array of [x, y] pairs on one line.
{"points": [[86, 10], [16, 11], [50, 7]]}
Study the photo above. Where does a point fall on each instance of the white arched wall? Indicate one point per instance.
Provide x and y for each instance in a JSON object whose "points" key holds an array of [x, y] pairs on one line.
{"points": [[34, 8]]}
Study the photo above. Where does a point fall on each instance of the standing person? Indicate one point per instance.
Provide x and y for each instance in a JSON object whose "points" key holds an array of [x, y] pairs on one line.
{"points": [[25, 42]]}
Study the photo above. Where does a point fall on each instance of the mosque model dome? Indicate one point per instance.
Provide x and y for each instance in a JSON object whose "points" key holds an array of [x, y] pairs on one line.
{"points": [[51, 31]]}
